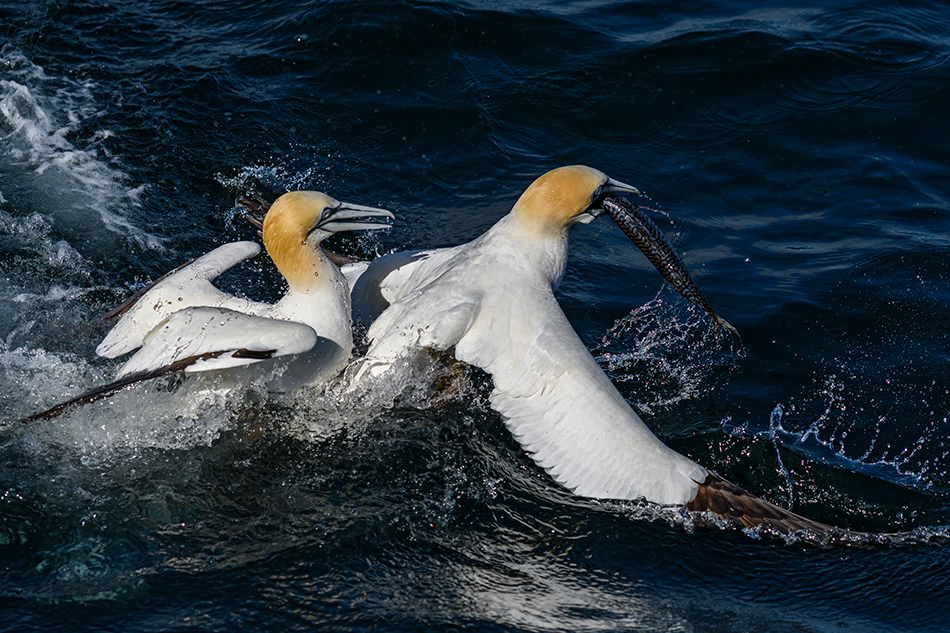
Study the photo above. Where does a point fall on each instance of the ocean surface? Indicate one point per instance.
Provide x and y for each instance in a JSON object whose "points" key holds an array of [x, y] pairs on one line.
{"points": [[797, 154]]}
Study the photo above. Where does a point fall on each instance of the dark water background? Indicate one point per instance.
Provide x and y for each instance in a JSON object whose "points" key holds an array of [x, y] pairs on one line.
{"points": [[799, 151]]}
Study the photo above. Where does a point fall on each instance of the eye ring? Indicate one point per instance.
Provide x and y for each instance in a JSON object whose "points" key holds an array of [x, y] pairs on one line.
{"points": [[597, 195]]}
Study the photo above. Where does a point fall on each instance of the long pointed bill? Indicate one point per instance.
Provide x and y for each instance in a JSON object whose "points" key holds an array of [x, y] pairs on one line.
{"points": [[354, 217], [648, 237], [595, 210], [615, 186]]}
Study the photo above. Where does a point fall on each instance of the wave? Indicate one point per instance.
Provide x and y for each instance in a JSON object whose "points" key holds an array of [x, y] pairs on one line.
{"points": [[51, 164]]}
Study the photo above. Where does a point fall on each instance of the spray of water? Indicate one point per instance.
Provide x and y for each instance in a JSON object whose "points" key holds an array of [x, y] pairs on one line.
{"points": [[74, 183], [668, 351], [846, 434]]}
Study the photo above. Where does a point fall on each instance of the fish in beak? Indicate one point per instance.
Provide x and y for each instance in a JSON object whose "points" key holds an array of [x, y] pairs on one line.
{"points": [[651, 241]]}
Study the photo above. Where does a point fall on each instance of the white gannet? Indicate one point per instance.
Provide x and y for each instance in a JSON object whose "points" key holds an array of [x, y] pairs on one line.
{"points": [[184, 323], [492, 302]]}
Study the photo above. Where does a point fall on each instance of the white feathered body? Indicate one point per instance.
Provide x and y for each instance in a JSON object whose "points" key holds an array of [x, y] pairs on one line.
{"points": [[184, 316], [493, 300]]}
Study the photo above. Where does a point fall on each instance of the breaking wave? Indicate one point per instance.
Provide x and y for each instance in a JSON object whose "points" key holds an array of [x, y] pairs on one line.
{"points": [[51, 164]]}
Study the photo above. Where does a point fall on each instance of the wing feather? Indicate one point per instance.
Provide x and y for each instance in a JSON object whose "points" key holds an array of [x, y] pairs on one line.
{"points": [[556, 400], [565, 412], [218, 338], [184, 287]]}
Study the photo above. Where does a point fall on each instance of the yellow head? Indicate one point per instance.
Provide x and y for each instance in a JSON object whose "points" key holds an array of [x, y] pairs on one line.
{"points": [[561, 197], [296, 224]]}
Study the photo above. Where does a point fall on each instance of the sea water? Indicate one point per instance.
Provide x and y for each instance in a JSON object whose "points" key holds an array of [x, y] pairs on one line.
{"points": [[795, 155]]}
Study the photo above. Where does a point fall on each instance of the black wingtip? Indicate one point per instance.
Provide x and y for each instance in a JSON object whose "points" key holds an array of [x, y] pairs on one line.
{"points": [[126, 305], [108, 389], [97, 393], [256, 209], [727, 501]]}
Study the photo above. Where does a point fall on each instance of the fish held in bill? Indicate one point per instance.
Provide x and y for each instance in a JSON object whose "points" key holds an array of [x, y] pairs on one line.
{"points": [[648, 237]]}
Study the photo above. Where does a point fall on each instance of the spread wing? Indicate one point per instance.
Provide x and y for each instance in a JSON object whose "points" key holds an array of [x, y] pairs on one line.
{"points": [[563, 409], [204, 338], [423, 320], [200, 339], [187, 286], [555, 399], [387, 279]]}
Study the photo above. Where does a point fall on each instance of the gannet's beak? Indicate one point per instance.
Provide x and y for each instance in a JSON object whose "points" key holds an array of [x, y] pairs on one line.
{"points": [[615, 186], [611, 186], [352, 217]]}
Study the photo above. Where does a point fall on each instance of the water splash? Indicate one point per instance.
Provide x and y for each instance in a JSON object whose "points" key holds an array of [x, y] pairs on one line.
{"points": [[77, 186], [775, 425], [266, 179], [669, 351], [852, 435], [37, 379]]}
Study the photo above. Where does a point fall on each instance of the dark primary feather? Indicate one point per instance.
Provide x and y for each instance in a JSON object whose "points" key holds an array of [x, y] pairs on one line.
{"points": [[108, 389], [728, 501], [124, 307], [256, 210], [722, 500]]}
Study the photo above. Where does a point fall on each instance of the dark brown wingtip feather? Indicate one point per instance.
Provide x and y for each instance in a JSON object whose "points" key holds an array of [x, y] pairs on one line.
{"points": [[126, 305], [256, 210], [728, 501], [108, 389]]}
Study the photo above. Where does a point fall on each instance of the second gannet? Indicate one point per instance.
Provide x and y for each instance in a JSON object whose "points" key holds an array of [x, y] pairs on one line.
{"points": [[492, 302], [184, 323]]}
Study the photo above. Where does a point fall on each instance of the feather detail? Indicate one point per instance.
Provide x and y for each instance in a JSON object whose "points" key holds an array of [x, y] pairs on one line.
{"points": [[725, 500]]}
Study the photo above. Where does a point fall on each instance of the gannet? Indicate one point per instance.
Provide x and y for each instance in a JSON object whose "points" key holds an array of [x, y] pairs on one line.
{"points": [[184, 323], [492, 301]]}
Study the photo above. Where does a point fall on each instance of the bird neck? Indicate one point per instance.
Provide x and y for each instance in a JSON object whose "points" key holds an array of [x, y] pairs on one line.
{"points": [[541, 252], [301, 262], [536, 226], [317, 295]]}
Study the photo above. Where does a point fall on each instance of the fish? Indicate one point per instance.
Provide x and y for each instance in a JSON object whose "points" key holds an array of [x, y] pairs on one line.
{"points": [[653, 243]]}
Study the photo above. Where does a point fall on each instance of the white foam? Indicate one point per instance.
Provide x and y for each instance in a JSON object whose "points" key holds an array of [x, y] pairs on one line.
{"points": [[47, 173], [157, 414], [35, 379]]}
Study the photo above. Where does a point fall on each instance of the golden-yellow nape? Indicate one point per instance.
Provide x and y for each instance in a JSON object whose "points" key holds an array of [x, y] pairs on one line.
{"points": [[286, 227], [554, 200], [294, 214]]}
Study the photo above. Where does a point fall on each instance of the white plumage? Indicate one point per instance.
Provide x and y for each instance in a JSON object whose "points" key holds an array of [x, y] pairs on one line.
{"points": [[186, 323], [492, 300]]}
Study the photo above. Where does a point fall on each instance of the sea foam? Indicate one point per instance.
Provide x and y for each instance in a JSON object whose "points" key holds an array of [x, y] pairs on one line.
{"points": [[49, 164]]}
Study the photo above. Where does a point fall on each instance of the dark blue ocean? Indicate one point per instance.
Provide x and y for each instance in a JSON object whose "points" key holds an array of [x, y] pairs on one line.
{"points": [[797, 155]]}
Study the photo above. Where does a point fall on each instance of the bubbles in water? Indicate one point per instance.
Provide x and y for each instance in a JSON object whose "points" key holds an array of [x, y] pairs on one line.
{"points": [[669, 350]]}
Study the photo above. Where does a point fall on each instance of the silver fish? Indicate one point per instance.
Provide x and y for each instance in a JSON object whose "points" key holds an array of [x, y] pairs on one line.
{"points": [[648, 237]]}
